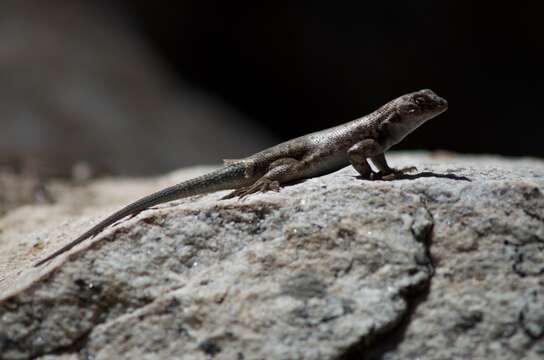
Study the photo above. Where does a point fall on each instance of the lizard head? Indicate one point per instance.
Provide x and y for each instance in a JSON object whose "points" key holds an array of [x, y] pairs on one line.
{"points": [[417, 107], [412, 110]]}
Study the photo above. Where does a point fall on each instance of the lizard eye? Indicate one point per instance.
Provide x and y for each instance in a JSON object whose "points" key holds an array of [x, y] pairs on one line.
{"points": [[419, 100]]}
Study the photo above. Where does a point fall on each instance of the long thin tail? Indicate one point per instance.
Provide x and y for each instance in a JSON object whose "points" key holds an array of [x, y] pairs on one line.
{"points": [[228, 177]]}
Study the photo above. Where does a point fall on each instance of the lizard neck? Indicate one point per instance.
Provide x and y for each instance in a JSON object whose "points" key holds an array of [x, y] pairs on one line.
{"points": [[375, 126]]}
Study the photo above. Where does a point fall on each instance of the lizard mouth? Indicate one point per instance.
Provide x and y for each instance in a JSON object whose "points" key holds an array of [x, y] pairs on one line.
{"points": [[443, 103], [428, 100], [439, 104]]}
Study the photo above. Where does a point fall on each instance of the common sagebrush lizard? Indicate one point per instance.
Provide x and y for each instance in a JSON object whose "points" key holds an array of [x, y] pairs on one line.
{"points": [[315, 154]]}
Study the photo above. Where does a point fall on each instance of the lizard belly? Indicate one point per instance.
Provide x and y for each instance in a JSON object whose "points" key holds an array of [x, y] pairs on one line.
{"points": [[326, 164]]}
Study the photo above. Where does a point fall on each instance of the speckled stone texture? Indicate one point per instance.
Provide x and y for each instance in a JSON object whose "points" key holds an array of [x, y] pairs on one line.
{"points": [[444, 263]]}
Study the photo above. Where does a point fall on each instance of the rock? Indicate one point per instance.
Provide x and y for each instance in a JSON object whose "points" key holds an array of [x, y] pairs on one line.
{"points": [[444, 263], [21, 189], [486, 299]]}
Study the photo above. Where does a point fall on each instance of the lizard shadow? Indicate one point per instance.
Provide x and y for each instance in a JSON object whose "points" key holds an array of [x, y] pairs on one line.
{"points": [[423, 174], [430, 174]]}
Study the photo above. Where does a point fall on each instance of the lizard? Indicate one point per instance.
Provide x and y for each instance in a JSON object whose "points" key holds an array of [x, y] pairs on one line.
{"points": [[311, 155]]}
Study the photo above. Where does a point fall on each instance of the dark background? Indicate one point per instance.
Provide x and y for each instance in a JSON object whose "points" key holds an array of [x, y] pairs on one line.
{"points": [[295, 67], [139, 87]]}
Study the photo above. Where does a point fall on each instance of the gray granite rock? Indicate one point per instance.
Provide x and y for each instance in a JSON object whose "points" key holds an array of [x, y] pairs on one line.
{"points": [[486, 299], [20, 189], [446, 263]]}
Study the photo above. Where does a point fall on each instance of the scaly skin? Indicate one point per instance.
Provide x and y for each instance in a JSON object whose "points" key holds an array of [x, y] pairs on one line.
{"points": [[307, 156]]}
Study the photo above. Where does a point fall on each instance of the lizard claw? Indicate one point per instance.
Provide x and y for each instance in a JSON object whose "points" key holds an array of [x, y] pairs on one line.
{"points": [[261, 185], [394, 174], [407, 169]]}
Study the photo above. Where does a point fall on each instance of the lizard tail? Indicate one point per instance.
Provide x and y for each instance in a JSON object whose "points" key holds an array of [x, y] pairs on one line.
{"points": [[228, 177]]}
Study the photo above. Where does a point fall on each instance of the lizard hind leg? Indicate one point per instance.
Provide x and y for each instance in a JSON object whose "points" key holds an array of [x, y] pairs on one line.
{"points": [[280, 171], [262, 185]]}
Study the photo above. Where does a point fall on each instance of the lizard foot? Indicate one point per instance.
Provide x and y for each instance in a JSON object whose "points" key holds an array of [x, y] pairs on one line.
{"points": [[394, 174], [261, 185]]}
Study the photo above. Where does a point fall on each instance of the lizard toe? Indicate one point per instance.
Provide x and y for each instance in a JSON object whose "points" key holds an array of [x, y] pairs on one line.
{"points": [[407, 169], [397, 173], [261, 185]]}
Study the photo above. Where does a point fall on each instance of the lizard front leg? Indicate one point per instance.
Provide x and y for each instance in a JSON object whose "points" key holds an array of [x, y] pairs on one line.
{"points": [[386, 172], [280, 171], [358, 153]]}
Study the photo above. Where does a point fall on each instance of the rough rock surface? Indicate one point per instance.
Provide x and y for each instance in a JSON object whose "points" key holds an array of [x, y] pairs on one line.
{"points": [[445, 263], [20, 189]]}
